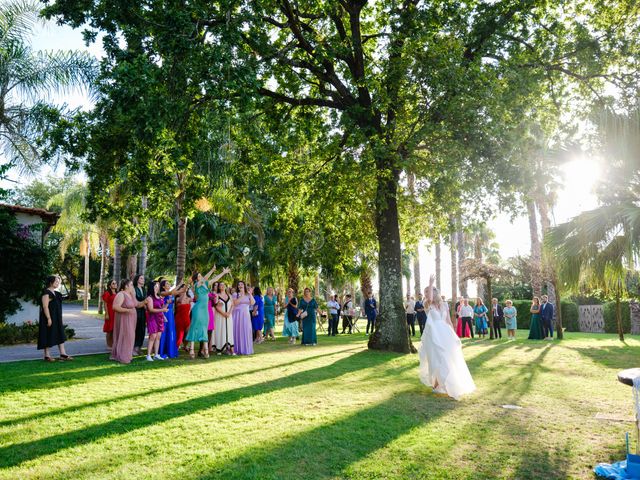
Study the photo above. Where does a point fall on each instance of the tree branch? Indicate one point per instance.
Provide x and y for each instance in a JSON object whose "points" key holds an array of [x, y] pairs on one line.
{"points": [[298, 102]]}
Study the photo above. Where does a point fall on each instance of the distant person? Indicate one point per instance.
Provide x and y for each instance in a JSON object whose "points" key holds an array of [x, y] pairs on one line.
{"points": [[155, 320], [183, 318], [223, 338], [243, 303], [334, 307], [371, 311], [124, 331], [307, 313], [421, 313], [257, 314], [347, 314], [109, 317], [510, 318], [270, 302], [141, 322], [480, 315], [291, 328], [546, 315], [466, 315], [410, 311], [497, 316], [535, 329], [50, 327]]}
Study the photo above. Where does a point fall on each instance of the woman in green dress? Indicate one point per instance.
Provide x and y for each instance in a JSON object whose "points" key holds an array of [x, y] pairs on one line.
{"points": [[535, 330], [307, 311], [270, 300], [198, 330]]}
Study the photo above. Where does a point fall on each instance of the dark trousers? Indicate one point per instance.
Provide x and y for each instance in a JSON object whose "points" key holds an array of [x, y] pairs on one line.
{"points": [[333, 324], [346, 323], [411, 321], [371, 322], [547, 327], [465, 321], [422, 321], [496, 327], [141, 326]]}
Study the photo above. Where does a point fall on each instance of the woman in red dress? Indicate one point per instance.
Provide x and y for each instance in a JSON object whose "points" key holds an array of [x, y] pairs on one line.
{"points": [[183, 319], [109, 318]]}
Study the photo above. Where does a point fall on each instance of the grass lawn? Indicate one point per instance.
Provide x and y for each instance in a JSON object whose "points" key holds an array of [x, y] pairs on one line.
{"points": [[332, 411]]}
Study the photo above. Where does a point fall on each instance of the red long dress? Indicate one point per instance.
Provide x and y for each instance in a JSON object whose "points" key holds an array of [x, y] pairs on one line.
{"points": [[108, 298], [183, 321]]}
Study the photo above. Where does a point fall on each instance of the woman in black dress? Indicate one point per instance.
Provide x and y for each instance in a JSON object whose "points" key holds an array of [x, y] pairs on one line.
{"points": [[141, 321], [50, 327]]}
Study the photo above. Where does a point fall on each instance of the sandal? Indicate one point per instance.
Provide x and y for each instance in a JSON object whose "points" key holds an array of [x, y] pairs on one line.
{"points": [[49, 359], [66, 358], [192, 354]]}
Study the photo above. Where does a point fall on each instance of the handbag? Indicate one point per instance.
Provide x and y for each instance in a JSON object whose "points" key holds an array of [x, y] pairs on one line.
{"points": [[303, 314]]}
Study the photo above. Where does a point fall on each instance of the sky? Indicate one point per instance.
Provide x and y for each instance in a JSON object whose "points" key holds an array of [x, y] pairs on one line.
{"points": [[512, 235]]}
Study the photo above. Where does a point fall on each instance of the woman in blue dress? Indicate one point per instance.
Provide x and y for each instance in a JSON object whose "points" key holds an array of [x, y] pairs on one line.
{"points": [[168, 345], [257, 315], [198, 330], [290, 328], [480, 314], [308, 307]]}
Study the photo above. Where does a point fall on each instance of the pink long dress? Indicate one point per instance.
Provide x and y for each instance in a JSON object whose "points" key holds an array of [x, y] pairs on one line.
{"points": [[124, 331], [467, 333], [213, 299]]}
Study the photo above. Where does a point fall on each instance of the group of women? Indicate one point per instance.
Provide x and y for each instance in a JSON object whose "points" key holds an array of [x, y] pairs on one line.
{"points": [[479, 313], [222, 320]]}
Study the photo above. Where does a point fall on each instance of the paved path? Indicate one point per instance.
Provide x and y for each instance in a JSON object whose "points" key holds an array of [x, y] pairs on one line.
{"points": [[89, 338]]}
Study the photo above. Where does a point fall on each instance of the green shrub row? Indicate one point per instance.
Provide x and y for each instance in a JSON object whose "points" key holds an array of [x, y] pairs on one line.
{"points": [[10, 334], [610, 322]]}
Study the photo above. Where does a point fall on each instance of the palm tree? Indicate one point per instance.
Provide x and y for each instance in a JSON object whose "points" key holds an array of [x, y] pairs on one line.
{"points": [[25, 74], [74, 228], [599, 247]]}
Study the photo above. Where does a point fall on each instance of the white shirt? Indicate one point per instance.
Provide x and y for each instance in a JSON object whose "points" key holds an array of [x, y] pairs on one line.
{"points": [[466, 311], [333, 306], [409, 307]]}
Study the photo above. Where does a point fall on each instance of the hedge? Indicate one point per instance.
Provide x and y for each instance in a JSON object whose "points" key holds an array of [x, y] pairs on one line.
{"points": [[569, 314], [610, 322], [11, 334]]}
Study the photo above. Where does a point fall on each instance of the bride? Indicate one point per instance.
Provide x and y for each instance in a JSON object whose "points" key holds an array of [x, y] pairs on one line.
{"points": [[442, 365]]}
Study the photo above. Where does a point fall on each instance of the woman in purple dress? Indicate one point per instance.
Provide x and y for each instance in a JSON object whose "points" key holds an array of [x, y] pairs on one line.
{"points": [[155, 321], [242, 328]]}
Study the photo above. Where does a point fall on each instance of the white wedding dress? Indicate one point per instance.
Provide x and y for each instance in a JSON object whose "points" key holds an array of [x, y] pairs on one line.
{"points": [[441, 359]]}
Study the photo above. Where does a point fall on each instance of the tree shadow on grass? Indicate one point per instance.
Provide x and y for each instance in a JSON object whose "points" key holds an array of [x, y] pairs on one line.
{"points": [[144, 393], [15, 454], [618, 357], [328, 450]]}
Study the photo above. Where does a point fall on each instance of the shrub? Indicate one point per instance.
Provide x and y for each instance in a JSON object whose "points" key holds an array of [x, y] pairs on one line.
{"points": [[610, 322], [523, 313], [11, 334], [570, 316]]}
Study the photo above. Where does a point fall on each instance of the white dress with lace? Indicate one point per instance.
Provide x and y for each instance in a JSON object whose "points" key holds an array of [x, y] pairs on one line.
{"points": [[441, 359]]}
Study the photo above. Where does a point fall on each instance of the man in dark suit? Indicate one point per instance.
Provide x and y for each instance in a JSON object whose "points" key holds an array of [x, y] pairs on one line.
{"points": [[546, 315], [371, 311], [498, 316]]}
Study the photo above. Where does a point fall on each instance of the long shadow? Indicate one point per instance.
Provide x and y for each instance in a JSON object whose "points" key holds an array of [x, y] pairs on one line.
{"points": [[17, 453], [618, 357], [74, 408], [525, 376], [325, 452], [34, 376]]}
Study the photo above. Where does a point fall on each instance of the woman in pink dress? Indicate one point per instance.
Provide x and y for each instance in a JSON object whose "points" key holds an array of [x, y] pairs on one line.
{"points": [[213, 300], [242, 329], [155, 321], [124, 328], [467, 333]]}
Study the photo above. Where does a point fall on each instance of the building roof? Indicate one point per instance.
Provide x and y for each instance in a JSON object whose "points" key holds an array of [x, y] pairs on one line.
{"points": [[47, 216]]}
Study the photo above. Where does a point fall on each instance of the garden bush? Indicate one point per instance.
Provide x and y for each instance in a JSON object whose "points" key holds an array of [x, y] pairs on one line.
{"points": [[610, 322], [11, 334]]}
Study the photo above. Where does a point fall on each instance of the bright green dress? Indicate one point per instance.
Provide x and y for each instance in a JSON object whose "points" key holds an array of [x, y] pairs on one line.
{"points": [[200, 315], [269, 313], [535, 330], [309, 322]]}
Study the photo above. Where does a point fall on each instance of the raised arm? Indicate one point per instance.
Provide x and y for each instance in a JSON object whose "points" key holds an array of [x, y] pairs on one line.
{"points": [[209, 273], [220, 275], [432, 280]]}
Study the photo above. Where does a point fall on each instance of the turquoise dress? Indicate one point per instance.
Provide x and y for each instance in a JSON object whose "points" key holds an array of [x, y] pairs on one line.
{"points": [[481, 320], [198, 330], [290, 329], [269, 313], [535, 329], [512, 323], [309, 322]]}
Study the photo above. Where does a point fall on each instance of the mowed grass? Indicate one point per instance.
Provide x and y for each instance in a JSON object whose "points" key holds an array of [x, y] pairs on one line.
{"points": [[332, 411]]}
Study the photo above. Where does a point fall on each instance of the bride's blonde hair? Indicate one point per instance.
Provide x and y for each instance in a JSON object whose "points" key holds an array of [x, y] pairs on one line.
{"points": [[435, 295]]}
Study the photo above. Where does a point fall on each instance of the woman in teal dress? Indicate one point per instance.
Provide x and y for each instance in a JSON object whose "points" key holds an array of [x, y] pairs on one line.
{"points": [[309, 305], [269, 314], [480, 314], [510, 319], [198, 330], [535, 330], [290, 328]]}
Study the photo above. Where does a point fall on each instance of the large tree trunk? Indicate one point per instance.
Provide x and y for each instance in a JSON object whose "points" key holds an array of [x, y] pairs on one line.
{"points": [[316, 284], [366, 285], [492, 333], [461, 258], [181, 258], [408, 279], [536, 251], [454, 273], [87, 252], [391, 325], [254, 277], [549, 271], [619, 316], [438, 264], [477, 253], [558, 311], [416, 272], [142, 260], [293, 276], [103, 264], [132, 266], [116, 261]]}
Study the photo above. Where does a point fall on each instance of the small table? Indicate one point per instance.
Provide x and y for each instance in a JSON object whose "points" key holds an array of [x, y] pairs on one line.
{"points": [[627, 377]]}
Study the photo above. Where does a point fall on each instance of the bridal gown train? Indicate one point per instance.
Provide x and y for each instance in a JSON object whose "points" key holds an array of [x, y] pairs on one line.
{"points": [[441, 359]]}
